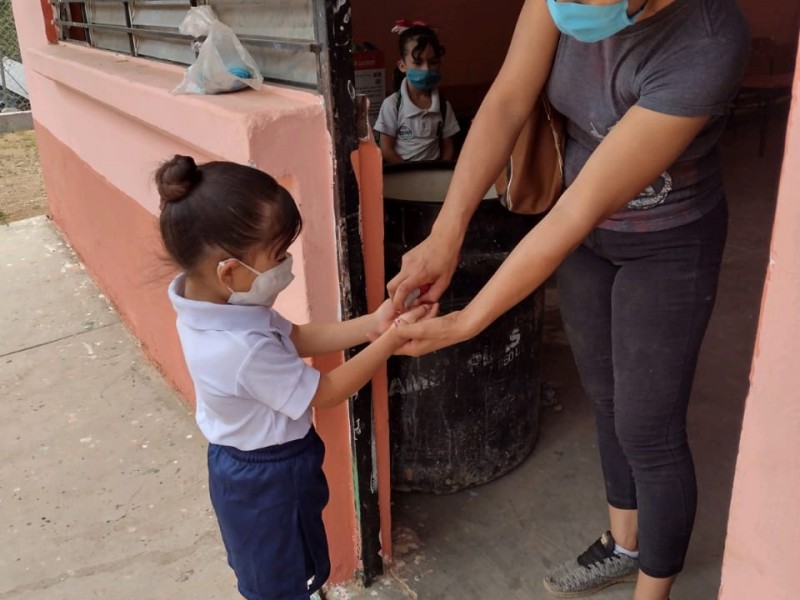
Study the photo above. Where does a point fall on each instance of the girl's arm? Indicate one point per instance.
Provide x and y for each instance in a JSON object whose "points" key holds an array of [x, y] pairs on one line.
{"points": [[344, 381], [390, 155], [314, 339], [620, 168], [491, 138]]}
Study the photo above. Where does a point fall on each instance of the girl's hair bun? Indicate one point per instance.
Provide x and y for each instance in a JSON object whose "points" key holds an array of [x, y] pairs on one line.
{"points": [[176, 178]]}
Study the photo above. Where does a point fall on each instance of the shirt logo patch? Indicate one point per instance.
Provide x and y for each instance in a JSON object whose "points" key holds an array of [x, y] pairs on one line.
{"points": [[405, 133]]}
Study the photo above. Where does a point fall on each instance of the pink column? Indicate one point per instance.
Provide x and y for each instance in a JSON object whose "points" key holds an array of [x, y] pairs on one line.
{"points": [[762, 552]]}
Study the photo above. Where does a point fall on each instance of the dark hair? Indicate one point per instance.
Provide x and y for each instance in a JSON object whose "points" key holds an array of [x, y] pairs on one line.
{"points": [[424, 36], [222, 205]]}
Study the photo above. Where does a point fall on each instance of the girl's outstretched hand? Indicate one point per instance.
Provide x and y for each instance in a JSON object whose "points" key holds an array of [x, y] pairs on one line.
{"points": [[382, 319], [385, 316], [418, 314], [429, 334]]}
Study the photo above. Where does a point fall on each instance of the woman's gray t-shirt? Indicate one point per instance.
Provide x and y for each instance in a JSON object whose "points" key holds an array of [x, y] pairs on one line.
{"points": [[686, 60]]}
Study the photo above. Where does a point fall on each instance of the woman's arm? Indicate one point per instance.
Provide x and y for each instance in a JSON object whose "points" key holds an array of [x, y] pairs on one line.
{"points": [[622, 165], [388, 149], [492, 136]]}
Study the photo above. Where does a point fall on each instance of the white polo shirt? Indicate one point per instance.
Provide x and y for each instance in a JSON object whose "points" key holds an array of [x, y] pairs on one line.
{"points": [[252, 388], [417, 130]]}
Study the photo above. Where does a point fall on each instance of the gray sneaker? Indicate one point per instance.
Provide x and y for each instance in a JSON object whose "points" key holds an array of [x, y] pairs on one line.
{"points": [[595, 569]]}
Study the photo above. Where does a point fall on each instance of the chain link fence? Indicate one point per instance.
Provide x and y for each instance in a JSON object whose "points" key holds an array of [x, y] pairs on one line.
{"points": [[13, 90]]}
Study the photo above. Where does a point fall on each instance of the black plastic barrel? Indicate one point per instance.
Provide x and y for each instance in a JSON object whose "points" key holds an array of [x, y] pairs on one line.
{"points": [[467, 414]]}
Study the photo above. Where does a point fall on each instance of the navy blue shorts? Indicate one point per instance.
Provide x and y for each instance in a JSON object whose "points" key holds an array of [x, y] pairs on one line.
{"points": [[269, 507]]}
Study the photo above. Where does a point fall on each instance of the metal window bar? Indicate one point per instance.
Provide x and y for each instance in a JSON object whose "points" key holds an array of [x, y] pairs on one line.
{"points": [[129, 24], [289, 49]]}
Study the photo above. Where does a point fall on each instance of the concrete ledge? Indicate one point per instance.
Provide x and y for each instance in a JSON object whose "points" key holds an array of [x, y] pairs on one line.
{"points": [[16, 121], [220, 124]]}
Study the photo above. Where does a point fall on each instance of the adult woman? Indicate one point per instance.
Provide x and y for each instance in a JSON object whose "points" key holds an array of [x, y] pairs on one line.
{"points": [[639, 233]]}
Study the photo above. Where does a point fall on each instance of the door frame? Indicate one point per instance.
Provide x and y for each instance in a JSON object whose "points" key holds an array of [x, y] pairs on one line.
{"points": [[337, 85]]}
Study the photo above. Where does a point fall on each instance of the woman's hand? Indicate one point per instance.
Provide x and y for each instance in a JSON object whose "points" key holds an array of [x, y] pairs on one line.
{"points": [[431, 334], [399, 332], [429, 265]]}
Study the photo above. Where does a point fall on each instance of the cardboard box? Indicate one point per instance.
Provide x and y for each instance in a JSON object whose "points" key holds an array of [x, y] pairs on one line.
{"points": [[370, 71]]}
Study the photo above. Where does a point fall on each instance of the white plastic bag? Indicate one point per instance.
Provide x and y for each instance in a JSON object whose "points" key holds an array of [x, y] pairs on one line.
{"points": [[223, 64]]}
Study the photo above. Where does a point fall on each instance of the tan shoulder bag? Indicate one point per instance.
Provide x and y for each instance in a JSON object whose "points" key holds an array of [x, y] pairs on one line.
{"points": [[534, 177]]}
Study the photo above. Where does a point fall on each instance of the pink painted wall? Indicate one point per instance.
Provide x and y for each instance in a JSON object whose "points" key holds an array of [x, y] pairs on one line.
{"points": [[477, 39], [773, 18], [475, 34], [104, 123], [762, 550]]}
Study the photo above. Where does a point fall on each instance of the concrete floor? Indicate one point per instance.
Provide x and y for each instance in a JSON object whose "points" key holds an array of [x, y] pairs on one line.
{"points": [[497, 540], [102, 482], [102, 486]]}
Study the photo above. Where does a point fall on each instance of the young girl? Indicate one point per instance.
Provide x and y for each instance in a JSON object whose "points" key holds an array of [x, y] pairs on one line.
{"points": [[414, 122], [228, 227]]}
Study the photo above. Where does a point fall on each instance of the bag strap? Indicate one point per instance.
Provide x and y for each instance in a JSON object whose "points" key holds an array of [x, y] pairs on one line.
{"points": [[399, 100], [556, 138]]}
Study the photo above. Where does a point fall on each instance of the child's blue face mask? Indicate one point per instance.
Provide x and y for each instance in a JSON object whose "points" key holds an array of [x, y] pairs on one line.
{"points": [[591, 23], [423, 79]]}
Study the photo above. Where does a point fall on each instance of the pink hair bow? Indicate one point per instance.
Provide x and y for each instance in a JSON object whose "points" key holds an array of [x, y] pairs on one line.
{"points": [[402, 24]]}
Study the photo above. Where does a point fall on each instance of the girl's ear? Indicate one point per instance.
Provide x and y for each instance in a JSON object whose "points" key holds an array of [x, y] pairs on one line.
{"points": [[401, 66], [225, 270]]}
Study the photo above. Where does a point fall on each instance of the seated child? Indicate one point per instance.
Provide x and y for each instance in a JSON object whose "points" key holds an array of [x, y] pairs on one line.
{"points": [[415, 123]]}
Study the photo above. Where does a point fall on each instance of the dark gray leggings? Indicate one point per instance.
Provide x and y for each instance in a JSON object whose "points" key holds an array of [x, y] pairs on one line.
{"points": [[635, 308]]}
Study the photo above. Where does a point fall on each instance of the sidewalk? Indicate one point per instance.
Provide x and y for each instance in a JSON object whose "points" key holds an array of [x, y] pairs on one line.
{"points": [[103, 491], [103, 483]]}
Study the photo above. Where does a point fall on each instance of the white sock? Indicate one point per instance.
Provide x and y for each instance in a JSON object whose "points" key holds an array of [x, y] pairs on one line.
{"points": [[620, 550]]}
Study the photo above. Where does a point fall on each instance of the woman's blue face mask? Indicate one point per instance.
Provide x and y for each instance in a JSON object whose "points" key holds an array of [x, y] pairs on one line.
{"points": [[589, 22]]}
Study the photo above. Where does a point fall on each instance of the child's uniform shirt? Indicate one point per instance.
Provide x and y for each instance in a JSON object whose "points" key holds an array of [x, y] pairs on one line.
{"points": [[418, 131], [253, 389]]}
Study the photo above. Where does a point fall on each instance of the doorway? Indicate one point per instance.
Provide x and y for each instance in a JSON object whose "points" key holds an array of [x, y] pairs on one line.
{"points": [[496, 540]]}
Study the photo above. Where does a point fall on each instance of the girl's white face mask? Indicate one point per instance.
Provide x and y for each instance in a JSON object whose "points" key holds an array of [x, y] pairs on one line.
{"points": [[266, 286]]}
